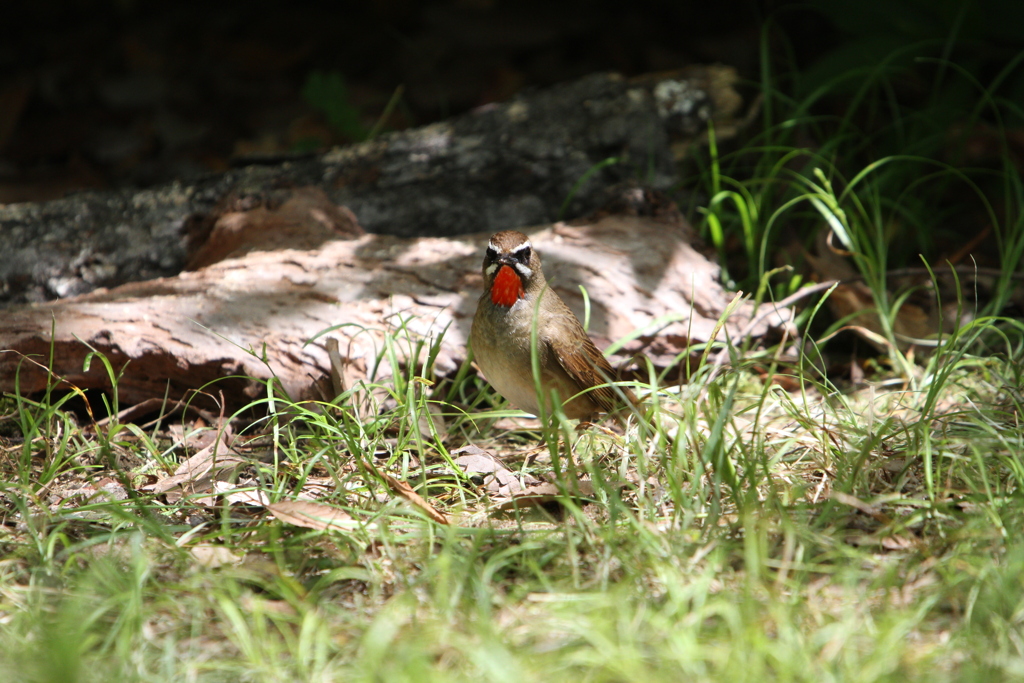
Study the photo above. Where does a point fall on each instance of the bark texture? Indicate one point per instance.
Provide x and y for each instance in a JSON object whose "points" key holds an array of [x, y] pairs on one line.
{"points": [[264, 312], [538, 157]]}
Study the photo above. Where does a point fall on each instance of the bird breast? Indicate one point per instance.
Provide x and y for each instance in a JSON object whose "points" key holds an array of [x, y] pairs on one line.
{"points": [[501, 346]]}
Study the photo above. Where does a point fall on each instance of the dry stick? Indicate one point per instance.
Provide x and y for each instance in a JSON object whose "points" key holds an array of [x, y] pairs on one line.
{"points": [[808, 291], [756, 320], [142, 408]]}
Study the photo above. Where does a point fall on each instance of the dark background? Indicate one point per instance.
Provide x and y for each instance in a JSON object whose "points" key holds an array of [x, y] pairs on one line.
{"points": [[140, 92], [103, 93]]}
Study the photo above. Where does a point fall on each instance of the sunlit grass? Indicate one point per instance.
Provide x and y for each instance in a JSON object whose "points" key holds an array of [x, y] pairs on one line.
{"points": [[865, 537], [763, 522]]}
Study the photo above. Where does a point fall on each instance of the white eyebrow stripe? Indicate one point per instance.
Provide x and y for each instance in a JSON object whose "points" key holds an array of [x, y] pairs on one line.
{"points": [[524, 245], [490, 245]]}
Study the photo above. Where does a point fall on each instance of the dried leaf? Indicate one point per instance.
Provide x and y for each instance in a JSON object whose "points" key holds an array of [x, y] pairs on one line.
{"points": [[498, 479], [337, 373], [243, 494], [199, 438], [405, 491], [216, 462], [475, 460], [544, 493], [897, 542], [312, 515], [854, 302], [207, 461], [213, 556], [858, 504]]}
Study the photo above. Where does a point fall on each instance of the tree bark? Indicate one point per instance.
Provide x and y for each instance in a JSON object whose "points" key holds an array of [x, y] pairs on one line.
{"points": [[532, 160], [263, 313]]}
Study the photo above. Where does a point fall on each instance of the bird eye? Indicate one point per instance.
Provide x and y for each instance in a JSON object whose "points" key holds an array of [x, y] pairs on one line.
{"points": [[491, 255], [524, 255]]}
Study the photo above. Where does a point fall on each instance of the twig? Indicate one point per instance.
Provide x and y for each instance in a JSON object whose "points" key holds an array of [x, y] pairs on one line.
{"points": [[758, 317]]}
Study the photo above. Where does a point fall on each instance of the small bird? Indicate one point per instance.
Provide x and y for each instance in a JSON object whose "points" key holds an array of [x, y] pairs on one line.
{"points": [[502, 331]]}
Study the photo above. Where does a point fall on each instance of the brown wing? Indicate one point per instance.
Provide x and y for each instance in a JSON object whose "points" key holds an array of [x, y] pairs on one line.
{"points": [[583, 362]]}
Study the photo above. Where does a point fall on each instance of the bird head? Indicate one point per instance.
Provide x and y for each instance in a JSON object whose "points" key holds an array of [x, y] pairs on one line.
{"points": [[511, 268]]}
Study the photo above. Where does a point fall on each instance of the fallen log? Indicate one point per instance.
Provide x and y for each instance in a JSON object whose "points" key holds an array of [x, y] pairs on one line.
{"points": [[541, 156], [251, 316]]}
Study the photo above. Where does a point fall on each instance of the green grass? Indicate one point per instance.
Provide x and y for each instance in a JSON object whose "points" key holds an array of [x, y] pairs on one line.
{"points": [[823, 532], [867, 536]]}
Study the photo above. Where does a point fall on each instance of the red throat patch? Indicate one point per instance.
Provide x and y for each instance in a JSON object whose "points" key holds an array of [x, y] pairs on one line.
{"points": [[507, 288]]}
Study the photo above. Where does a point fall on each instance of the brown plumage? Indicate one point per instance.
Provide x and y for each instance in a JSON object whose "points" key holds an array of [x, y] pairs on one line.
{"points": [[515, 291]]}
